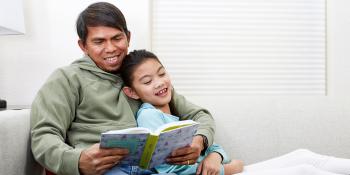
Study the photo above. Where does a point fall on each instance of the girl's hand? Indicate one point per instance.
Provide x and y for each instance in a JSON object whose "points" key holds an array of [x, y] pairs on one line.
{"points": [[211, 165]]}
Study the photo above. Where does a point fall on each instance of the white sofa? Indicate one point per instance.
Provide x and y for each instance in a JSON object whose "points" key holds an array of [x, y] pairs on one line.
{"points": [[16, 156], [259, 144]]}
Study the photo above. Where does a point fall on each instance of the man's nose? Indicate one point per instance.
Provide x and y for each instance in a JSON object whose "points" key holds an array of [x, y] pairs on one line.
{"points": [[110, 47]]}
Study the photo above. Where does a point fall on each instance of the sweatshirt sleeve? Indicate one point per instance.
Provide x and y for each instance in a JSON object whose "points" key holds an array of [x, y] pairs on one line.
{"points": [[52, 112], [187, 110]]}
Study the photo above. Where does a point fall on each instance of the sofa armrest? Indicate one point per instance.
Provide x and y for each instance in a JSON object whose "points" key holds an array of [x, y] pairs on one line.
{"points": [[15, 152]]}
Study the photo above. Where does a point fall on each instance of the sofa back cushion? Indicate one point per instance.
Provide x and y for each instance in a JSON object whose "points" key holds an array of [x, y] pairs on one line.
{"points": [[15, 152]]}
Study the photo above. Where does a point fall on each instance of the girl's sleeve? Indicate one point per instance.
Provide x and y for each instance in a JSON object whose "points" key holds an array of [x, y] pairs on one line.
{"points": [[217, 148]]}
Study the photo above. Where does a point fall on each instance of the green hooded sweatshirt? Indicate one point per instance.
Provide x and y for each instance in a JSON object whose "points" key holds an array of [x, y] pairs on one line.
{"points": [[79, 102]]}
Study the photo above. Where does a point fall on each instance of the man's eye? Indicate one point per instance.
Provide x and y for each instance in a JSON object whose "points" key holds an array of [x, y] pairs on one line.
{"points": [[97, 42], [117, 38]]}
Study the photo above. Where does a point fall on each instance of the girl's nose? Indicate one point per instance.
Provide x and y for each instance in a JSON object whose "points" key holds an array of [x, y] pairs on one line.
{"points": [[159, 84]]}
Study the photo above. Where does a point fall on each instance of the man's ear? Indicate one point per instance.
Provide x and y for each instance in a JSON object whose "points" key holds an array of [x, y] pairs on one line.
{"points": [[128, 91], [128, 36], [82, 46]]}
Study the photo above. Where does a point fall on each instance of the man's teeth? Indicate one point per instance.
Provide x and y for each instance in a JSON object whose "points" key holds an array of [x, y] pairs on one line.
{"points": [[111, 58]]}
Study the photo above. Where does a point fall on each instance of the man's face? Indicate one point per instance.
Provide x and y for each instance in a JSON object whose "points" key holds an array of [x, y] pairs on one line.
{"points": [[106, 46]]}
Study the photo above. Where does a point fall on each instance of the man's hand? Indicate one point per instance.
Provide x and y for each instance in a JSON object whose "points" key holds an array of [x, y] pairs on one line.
{"points": [[96, 161], [187, 155], [210, 165]]}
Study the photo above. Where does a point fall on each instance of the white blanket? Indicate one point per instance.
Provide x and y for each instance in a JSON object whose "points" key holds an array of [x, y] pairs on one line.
{"points": [[300, 162]]}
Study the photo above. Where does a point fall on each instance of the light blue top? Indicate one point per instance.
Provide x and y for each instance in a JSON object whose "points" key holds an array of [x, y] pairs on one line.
{"points": [[150, 117]]}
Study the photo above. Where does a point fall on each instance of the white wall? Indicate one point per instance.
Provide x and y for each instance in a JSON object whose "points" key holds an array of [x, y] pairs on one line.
{"points": [[50, 41], [259, 126]]}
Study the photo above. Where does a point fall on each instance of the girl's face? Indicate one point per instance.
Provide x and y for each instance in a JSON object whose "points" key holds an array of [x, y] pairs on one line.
{"points": [[152, 84]]}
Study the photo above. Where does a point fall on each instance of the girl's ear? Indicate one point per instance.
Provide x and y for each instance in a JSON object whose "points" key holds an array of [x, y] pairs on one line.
{"points": [[128, 91]]}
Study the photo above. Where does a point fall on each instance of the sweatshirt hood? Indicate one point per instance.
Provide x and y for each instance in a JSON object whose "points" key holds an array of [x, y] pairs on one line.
{"points": [[86, 63]]}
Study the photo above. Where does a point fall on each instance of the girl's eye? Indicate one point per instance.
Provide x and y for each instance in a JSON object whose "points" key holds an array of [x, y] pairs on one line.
{"points": [[162, 74], [147, 82]]}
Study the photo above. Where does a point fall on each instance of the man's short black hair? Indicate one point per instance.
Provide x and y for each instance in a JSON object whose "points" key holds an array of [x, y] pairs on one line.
{"points": [[100, 14]]}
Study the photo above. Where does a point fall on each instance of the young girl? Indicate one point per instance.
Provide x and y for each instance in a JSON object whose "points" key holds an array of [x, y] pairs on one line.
{"points": [[146, 79]]}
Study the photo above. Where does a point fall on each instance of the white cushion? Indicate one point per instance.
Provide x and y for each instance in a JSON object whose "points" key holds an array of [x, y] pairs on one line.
{"points": [[15, 152]]}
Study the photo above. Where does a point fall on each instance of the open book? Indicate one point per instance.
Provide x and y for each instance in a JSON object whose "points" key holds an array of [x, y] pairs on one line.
{"points": [[148, 149]]}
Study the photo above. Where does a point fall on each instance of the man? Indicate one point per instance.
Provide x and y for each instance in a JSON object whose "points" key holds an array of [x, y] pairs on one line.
{"points": [[79, 102]]}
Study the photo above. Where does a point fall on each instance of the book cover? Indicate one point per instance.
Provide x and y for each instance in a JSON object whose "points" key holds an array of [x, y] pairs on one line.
{"points": [[148, 149]]}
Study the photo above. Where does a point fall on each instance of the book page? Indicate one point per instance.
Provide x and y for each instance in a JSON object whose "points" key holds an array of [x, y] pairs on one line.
{"points": [[174, 125], [171, 140], [135, 143], [137, 130]]}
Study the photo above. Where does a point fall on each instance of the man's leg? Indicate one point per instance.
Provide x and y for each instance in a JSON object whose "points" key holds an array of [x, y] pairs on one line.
{"points": [[119, 170]]}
